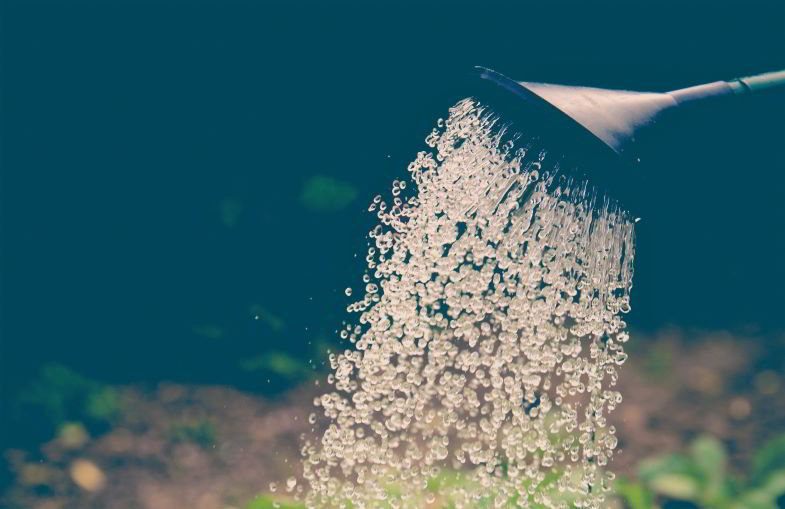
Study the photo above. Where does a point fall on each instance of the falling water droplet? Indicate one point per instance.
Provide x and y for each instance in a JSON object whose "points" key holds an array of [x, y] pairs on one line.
{"points": [[488, 339]]}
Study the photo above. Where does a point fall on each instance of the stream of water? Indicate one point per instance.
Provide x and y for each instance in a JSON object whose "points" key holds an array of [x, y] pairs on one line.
{"points": [[487, 336]]}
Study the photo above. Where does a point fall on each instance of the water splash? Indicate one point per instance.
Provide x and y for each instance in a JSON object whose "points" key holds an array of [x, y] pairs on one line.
{"points": [[489, 336]]}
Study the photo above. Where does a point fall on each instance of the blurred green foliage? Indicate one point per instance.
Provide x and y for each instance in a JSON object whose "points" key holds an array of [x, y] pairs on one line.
{"points": [[72, 405], [634, 494], [326, 194], [279, 364], [701, 478], [268, 502], [201, 433], [658, 361], [267, 317], [73, 435], [208, 331], [231, 210], [698, 479], [63, 396], [768, 460]]}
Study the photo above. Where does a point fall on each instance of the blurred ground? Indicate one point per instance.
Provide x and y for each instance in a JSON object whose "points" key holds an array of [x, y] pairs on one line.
{"points": [[201, 447]]}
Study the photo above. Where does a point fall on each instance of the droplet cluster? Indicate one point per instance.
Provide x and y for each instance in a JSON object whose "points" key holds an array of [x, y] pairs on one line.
{"points": [[489, 335]]}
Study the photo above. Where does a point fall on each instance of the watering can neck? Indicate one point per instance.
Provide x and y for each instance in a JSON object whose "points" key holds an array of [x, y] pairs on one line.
{"points": [[738, 86]]}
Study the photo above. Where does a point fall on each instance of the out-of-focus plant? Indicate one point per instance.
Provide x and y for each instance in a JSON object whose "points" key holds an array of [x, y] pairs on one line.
{"points": [[700, 479], [62, 396], [634, 494], [231, 210], [268, 502], [201, 433], [270, 319], [326, 194], [279, 364]]}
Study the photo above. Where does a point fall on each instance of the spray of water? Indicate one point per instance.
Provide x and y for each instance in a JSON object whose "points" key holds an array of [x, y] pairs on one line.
{"points": [[488, 340]]}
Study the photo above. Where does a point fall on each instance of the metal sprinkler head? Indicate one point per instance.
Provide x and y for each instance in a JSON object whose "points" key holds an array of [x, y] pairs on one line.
{"points": [[614, 117], [600, 131]]}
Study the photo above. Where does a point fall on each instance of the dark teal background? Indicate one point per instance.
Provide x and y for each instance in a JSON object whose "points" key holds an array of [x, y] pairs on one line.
{"points": [[130, 130]]}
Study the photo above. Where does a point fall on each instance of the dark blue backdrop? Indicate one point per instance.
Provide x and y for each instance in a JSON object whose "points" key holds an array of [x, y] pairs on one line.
{"points": [[155, 153]]}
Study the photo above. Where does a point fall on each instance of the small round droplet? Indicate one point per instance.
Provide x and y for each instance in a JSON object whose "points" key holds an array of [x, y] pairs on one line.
{"points": [[488, 332], [290, 484]]}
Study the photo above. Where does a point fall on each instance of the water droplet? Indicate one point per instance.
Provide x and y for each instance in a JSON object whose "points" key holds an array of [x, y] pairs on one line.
{"points": [[489, 333]]}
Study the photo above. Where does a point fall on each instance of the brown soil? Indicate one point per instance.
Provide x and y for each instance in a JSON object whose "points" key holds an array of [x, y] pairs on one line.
{"points": [[216, 448]]}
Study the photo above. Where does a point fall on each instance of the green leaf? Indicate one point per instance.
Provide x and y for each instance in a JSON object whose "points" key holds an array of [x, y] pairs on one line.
{"points": [[756, 499], [326, 194], [267, 317], [657, 362], [678, 486], [664, 465], [201, 433], [711, 461], [102, 404], [635, 495], [768, 459], [775, 484], [267, 502], [63, 395], [73, 435], [278, 363], [710, 456]]}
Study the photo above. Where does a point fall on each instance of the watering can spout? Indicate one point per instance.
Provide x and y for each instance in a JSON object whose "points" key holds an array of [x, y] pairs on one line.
{"points": [[614, 117]]}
